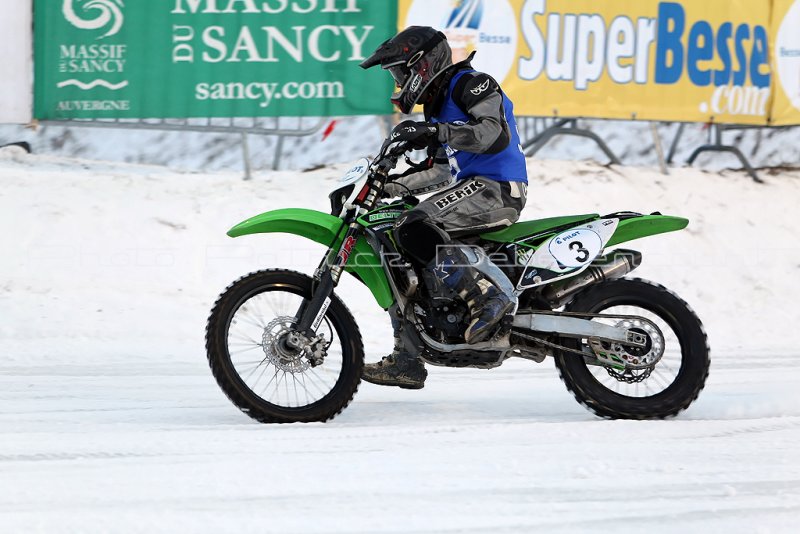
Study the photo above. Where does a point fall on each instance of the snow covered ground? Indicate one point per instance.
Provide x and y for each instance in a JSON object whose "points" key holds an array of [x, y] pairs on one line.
{"points": [[110, 420]]}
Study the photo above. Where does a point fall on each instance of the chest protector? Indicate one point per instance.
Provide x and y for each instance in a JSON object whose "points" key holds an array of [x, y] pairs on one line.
{"points": [[505, 166]]}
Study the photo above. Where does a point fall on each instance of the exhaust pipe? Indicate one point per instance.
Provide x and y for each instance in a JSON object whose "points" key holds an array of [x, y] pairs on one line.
{"points": [[614, 265]]}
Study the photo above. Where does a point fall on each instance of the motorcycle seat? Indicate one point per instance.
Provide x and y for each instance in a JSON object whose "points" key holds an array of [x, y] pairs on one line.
{"points": [[520, 230]]}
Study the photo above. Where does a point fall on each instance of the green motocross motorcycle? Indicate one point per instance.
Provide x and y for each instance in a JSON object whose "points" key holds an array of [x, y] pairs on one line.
{"points": [[284, 347]]}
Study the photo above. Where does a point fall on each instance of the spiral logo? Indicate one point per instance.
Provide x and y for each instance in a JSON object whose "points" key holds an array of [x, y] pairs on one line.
{"points": [[97, 14]]}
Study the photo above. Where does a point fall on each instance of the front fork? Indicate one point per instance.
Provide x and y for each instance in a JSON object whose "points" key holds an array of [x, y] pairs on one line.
{"points": [[312, 312]]}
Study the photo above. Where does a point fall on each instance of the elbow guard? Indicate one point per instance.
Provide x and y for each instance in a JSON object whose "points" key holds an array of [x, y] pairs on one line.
{"points": [[502, 142]]}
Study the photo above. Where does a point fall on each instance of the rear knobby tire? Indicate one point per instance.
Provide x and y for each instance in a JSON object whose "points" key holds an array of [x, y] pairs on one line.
{"points": [[235, 388], [682, 320]]}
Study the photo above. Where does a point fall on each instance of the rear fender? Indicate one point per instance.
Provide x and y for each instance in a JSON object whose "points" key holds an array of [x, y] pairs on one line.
{"points": [[646, 225], [322, 228]]}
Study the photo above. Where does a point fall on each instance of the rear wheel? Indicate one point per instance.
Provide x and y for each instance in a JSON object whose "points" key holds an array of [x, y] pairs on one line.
{"points": [[663, 389], [254, 355]]}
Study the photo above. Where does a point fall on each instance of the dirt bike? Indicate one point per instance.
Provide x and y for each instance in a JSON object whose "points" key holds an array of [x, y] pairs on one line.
{"points": [[284, 347]]}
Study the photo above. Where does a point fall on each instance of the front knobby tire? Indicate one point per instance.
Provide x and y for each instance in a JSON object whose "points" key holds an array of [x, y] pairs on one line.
{"points": [[342, 325], [677, 315]]}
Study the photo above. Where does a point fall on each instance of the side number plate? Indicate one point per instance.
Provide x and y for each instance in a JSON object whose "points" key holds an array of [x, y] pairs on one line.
{"points": [[567, 253]]}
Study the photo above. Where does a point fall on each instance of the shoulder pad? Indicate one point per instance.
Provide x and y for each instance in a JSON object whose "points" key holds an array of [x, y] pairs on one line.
{"points": [[472, 88]]}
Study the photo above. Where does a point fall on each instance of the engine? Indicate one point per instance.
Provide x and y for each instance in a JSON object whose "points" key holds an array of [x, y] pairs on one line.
{"points": [[445, 320]]}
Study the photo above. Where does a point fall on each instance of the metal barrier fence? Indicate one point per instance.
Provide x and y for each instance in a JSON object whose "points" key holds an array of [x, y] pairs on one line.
{"points": [[535, 133], [280, 127]]}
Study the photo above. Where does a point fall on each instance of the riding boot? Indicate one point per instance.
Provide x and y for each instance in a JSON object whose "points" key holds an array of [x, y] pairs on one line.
{"points": [[400, 368], [487, 303]]}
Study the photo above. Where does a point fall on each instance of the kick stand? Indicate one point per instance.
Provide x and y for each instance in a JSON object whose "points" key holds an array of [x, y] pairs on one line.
{"points": [[566, 127], [715, 144]]}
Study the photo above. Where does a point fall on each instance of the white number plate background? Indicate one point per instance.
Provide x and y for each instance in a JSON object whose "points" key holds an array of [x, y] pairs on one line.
{"points": [[576, 247], [570, 252]]}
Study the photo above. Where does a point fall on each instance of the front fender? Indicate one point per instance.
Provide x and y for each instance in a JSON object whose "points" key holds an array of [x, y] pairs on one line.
{"points": [[322, 228]]}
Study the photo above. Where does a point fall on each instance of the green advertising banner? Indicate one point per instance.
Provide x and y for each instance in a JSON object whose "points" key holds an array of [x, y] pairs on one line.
{"points": [[209, 58]]}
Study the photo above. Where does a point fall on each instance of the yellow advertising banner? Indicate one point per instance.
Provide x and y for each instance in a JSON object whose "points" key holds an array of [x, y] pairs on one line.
{"points": [[678, 60], [786, 62]]}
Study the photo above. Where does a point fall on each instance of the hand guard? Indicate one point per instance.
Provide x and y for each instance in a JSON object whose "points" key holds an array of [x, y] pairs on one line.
{"points": [[418, 134]]}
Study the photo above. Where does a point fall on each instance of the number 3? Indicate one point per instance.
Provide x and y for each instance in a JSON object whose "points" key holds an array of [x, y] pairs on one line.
{"points": [[578, 246]]}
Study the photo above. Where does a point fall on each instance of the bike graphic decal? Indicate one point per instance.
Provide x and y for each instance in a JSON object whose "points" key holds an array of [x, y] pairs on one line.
{"points": [[384, 215], [347, 248], [321, 315]]}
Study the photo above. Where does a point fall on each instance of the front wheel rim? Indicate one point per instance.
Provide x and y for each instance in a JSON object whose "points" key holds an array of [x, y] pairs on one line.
{"points": [[262, 362]]}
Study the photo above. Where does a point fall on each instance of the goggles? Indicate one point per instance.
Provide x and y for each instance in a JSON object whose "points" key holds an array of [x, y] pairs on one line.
{"points": [[400, 74]]}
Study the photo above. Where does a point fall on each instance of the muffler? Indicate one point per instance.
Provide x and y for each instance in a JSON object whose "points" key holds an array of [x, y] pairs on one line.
{"points": [[614, 265]]}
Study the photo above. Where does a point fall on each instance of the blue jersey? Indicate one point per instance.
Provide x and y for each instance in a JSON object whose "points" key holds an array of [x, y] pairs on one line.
{"points": [[505, 166]]}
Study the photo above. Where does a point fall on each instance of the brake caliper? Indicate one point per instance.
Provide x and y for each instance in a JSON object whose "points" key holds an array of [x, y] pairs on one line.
{"points": [[645, 349]]}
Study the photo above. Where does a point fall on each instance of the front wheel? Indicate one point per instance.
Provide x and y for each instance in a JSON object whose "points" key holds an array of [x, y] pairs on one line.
{"points": [[253, 354], [676, 376]]}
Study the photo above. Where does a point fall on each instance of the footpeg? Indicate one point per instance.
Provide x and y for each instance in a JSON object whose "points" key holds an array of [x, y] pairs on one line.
{"points": [[503, 327]]}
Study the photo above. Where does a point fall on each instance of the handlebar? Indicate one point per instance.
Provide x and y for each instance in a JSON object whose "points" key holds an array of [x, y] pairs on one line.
{"points": [[386, 160], [389, 154]]}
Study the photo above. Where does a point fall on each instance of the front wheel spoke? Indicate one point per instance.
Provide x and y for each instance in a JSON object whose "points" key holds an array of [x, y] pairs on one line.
{"points": [[248, 343], [327, 374], [263, 372], [296, 397], [252, 367], [314, 382], [271, 380], [276, 309], [242, 338], [249, 371], [252, 323], [277, 384], [258, 361], [248, 349], [305, 388], [286, 386], [283, 304], [260, 308], [269, 301]]}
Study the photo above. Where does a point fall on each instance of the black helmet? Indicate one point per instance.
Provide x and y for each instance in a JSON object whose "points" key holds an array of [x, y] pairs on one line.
{"points": [[415, 57]]}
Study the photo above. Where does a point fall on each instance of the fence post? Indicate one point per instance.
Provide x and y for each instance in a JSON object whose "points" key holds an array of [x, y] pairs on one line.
{"points": [[662, 162], [248, 174]]}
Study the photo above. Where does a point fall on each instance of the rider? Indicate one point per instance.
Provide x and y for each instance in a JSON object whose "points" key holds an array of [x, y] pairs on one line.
{"points": [[469, 123]]}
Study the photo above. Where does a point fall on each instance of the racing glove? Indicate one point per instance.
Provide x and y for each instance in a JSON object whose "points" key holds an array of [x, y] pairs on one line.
{"points": [[418, 134]]}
